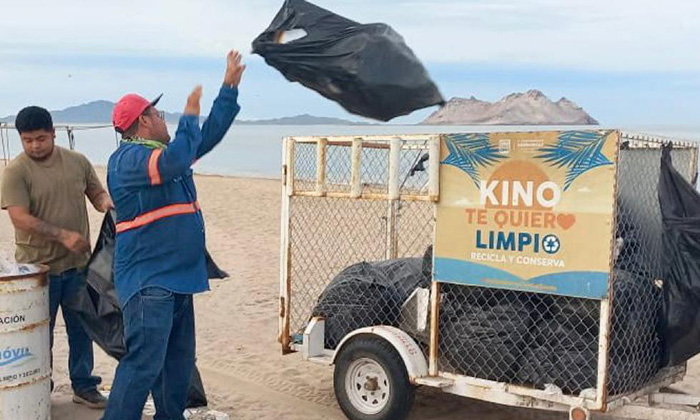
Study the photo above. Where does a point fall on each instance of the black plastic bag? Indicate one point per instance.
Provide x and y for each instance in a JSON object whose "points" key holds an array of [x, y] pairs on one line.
{"points": [[99, 311], [559, 355], [564, 346], [629, 232], [357, 297], [680, 209], [368, 69], [97, 305], [483, 334], [635, 347], [368, 294]]}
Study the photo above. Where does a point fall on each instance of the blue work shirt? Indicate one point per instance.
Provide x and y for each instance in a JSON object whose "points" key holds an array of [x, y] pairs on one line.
{"points": [[160, 230]]}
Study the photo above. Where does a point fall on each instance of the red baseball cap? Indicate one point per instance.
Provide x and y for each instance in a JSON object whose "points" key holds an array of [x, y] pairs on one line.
{"points": [[128, 109]]}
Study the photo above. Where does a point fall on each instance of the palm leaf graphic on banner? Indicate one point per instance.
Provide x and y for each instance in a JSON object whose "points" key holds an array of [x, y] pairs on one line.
{"points": [[470, 152], [578, 151]]}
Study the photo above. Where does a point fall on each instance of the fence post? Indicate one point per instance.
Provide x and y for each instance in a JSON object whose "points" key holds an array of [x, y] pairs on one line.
{"points": [[321, 167], [285, 249], [434, 168], [434, 328], [356, 176], [288, 165], [603, 356], [393, 198], [71, 138]]}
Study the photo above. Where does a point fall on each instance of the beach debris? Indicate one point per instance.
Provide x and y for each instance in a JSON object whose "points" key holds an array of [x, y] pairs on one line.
{"points": [[205, 414]]}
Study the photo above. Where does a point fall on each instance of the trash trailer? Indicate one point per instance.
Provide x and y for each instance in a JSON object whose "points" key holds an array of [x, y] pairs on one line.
{"points": [[520, 268]]}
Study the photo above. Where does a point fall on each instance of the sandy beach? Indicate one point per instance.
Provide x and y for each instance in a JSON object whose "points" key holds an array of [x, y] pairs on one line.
{"points": [[243, 370]]}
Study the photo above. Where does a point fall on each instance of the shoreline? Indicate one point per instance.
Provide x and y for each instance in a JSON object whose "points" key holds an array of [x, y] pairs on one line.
{"points": [[213, 175]]}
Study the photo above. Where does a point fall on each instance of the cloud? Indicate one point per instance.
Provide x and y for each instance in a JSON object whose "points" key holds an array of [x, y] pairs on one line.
{"points": [[586, 34]]}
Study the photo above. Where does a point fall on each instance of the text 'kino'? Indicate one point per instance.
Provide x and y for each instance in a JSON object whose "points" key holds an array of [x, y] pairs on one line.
{"points": [[517, 193]]}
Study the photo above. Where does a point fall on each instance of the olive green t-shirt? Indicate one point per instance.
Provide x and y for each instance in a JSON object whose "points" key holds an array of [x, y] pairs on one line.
{"points": [[54, 191]]}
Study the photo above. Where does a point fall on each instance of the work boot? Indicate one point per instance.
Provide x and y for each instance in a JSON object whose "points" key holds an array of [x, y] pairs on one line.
{"points": [[92, 399]]}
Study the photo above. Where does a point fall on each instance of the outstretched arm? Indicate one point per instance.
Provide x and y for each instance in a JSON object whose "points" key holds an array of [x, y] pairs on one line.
{"points": [[225, 107]]}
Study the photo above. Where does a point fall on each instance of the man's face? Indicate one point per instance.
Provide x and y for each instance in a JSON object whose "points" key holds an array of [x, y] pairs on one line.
{"points": [[38, 144], [156, 125]]}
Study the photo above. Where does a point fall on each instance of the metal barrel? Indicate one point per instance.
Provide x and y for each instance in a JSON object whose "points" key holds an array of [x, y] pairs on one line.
{"points": [[25, 354]]}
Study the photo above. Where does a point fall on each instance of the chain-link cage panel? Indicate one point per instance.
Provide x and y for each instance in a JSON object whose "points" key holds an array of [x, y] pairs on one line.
{"points": [[519, 337], [415, 222], [338, 168], [374, 169], [412, 169], [635, 345], [305, 167], [359, 262], [339, 269], [328, 235]]}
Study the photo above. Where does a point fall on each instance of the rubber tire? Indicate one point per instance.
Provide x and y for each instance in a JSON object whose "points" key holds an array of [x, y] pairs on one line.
{"points": [[403, 392]]}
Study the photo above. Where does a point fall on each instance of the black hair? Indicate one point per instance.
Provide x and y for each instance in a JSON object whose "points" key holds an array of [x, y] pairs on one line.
{"points": [[134, 127], [131, 131], [33, 118]]}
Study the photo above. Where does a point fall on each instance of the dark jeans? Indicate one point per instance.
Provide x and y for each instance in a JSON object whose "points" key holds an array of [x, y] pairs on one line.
{"points": [[80, 360], [160, 349]]}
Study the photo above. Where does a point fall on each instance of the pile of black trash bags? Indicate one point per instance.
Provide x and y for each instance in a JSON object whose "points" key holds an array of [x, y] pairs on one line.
{"points": [[503, 335], [562, 345]]}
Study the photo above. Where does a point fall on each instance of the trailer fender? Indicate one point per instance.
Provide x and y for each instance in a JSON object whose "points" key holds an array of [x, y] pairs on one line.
{"points": [[408, 349]]}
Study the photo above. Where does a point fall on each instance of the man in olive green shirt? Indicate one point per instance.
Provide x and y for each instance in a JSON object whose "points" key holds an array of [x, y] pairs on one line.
{"points": [[43, 190]]}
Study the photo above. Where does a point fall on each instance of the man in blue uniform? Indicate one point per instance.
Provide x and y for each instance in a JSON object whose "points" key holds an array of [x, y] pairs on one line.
{"points": [[160, 252]]}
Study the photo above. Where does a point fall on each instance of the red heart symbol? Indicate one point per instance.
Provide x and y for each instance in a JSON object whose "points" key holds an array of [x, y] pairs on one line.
{"points": [[566, 220]]}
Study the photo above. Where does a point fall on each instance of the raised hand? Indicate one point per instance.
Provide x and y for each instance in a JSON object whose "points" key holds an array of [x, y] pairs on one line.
{"points": [[192, 107], [234, 69]]}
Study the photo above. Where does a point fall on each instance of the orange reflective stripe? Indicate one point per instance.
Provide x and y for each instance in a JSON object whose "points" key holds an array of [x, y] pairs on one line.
{"points": [[157, 214], [153, 172]]}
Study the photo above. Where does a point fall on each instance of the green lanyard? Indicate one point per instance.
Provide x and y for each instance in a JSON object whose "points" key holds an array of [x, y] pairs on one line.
{"points": [[151, 144]]}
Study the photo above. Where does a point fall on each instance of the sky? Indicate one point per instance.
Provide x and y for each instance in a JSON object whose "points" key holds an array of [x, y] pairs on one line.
{"points": [[627, 62]]}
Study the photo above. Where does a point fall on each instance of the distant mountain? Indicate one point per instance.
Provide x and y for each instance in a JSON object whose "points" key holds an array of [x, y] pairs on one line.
{"points": [[100, 112], [95, 112], [530, 108]]}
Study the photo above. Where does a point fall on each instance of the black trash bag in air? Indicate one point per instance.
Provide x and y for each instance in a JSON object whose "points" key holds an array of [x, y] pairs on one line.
{"points": [[680, 209], [366, 68], [368, 294], [99, 311]]}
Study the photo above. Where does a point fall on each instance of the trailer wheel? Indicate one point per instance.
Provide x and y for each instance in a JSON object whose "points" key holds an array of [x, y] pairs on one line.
{"points": [[371, 382]]}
